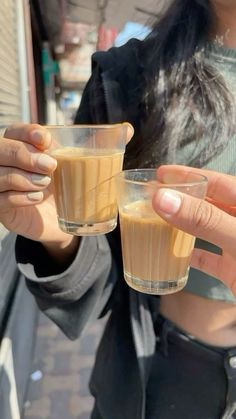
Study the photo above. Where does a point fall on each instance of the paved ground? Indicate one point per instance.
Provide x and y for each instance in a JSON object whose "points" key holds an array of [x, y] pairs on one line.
{"points": [[62, 392]]}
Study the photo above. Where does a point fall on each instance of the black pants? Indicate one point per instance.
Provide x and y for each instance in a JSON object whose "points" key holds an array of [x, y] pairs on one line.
{"points": [[190, 380]]}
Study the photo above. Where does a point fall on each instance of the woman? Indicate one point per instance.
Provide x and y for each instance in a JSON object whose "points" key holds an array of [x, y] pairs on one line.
{"points": [[164, 358]]}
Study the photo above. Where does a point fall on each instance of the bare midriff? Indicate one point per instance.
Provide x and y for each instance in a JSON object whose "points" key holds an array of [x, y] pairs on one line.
{"points": [[210, 321]]}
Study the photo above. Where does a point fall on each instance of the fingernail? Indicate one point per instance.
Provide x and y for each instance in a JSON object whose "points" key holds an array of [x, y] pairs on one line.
{"points": [[35, 196], [168, 201], [45, 162], [40, 180], [39, 136]]}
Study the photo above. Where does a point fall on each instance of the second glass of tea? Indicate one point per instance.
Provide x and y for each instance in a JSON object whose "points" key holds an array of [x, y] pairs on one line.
{"points": [[156, 255]]}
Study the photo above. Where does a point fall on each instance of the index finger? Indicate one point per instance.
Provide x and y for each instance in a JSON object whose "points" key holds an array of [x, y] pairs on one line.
{"points": [[221, 187], [230, 209], [33, 134]]}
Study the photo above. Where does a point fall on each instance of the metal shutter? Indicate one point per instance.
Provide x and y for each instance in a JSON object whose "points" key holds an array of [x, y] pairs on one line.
{"points": [[10, 89]]}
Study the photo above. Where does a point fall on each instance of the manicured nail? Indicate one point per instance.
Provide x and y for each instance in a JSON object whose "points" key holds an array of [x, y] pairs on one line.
{"points": [[168, 201], [35, 196], [40, 136], [40, 180], [45, 162]]}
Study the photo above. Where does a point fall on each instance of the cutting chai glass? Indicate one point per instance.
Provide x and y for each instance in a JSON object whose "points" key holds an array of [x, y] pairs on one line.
{"points": [[88, 157], [156, 255]]}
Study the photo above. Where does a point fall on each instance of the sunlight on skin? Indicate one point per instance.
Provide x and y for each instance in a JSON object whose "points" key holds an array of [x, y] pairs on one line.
{"points": [[224, 30]]}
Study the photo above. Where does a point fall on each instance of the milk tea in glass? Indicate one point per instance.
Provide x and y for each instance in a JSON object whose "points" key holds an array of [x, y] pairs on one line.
{"points": [[88, 158], [156, 255]]}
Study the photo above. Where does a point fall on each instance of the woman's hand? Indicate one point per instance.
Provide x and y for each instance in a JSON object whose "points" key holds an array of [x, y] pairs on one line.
{"points": [[212, 220], [27, 205]]}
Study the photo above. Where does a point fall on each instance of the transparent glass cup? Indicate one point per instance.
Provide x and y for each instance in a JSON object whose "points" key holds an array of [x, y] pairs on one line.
{"points": [[156, 255], [88, 157]]}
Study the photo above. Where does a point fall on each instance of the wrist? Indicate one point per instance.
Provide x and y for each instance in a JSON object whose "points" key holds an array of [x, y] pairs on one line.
{"points": [[63, 251]]}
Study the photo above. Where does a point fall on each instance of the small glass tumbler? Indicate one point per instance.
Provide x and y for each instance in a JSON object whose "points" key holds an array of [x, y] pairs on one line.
{"points": [[156, 255], [88, 157]]}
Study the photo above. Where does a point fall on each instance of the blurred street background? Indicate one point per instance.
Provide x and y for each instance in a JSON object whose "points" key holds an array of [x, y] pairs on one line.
{"points": [[58, 384], [45, 62]]}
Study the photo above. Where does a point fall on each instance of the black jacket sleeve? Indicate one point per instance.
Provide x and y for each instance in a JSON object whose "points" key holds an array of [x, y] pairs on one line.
{"points": [[82, 292]]}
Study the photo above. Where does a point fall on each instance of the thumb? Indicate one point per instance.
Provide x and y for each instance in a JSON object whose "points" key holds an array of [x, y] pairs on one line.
{"points": [[197, 217], [130, 132]]}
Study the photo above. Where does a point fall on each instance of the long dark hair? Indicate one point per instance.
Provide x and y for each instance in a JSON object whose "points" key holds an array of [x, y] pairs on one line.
{"points": [[185, 98]]}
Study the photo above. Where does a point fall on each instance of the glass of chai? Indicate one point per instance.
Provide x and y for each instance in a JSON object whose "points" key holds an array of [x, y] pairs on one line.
{"points": [[88, 157], [156, 255]]}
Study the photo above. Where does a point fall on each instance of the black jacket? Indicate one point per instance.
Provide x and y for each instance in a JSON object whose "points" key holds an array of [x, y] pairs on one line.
{"points": [[114, 91]]}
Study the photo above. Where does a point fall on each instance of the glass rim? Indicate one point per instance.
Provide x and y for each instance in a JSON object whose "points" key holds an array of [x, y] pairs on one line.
{"points": [[86, 126], [202, 179]]}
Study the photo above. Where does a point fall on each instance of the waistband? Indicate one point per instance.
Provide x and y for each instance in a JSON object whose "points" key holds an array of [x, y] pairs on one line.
{"points": [[166, 330]]}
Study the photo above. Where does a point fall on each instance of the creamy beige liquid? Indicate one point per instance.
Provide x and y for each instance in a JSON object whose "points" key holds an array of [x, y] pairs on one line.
{"points": [[84, 185], [152, 249]]}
